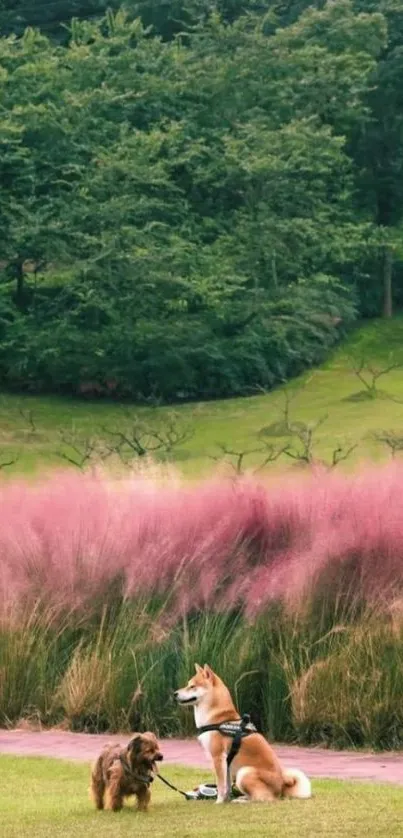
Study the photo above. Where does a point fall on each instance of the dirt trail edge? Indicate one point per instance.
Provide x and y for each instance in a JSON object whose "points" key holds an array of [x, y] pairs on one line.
{"points": [[317, 762]]}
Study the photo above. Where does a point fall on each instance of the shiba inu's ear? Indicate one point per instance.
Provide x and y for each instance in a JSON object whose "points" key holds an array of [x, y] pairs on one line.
{"points": [[208, 672], [198, 668]]}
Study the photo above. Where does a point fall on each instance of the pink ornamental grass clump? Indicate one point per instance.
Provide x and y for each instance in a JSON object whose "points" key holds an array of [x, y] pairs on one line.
{"points": [[75, 542], [351, 543]]}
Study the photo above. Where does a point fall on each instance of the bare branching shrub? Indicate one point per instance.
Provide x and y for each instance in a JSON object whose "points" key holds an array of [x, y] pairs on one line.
{"points": [[236, 458], [81, 451], [9, 461], [147, 437], [342, 453], [287, 396], [28, 416], [132, 440], [393, 440], [304, 436], [300, 442], [369, 374], [13, 457], [303, 449]]}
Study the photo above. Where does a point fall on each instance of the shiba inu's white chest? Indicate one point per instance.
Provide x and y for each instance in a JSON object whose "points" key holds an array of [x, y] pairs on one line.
{"points": [[205, 741], [201, 715]]}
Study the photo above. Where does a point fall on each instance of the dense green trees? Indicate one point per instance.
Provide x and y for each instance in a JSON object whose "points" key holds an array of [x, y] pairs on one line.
{"points": [[196, 212]]}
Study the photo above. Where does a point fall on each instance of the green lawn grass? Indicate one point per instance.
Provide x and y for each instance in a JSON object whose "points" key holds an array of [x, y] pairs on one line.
{"points": [[48, 798], [332, 390]]}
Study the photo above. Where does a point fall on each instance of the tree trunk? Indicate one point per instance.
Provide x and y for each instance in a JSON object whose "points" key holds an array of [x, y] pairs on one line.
{"points": [[387, 282], [20, 284]]}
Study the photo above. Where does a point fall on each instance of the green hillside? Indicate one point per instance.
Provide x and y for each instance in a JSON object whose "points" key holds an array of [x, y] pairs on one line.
{"points": [[33, 428]]}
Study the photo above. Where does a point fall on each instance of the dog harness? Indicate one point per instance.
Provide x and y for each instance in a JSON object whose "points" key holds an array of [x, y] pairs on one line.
{"points": [[237, 731], [130, 775]]}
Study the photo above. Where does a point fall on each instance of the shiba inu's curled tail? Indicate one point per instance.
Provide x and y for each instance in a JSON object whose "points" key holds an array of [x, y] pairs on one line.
{"points": [[296, 784]]}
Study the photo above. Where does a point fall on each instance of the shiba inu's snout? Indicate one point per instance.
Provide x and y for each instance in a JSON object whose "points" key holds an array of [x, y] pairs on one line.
{"points": [[189, 695], [195, 689]]}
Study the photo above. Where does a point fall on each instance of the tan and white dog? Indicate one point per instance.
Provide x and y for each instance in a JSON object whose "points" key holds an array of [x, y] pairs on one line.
{"points": [[255, 768]]}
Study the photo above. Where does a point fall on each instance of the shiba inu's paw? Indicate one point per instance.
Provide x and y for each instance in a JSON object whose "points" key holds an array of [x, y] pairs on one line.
{"points": [[223, 798]]}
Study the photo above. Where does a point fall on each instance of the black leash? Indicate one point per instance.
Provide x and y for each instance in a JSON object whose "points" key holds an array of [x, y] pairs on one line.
{"points": [[171, 786]]}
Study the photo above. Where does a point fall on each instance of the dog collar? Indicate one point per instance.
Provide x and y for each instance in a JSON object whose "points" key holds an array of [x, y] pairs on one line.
{"points": [[146, 779]]}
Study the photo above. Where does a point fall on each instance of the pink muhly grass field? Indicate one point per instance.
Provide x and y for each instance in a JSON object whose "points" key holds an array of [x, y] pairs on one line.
{"points": [[74, 542]]}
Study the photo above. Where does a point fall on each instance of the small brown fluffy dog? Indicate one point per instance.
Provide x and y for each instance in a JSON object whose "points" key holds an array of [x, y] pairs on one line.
{"points": [[120, 772]]}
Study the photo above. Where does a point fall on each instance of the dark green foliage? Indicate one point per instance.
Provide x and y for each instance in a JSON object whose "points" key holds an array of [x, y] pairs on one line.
{"points": [[180, 357], [191, 216], [51, 16]]}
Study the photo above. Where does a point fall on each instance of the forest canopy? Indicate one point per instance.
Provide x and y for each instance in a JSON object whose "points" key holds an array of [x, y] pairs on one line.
{"points": [[197, 197]]}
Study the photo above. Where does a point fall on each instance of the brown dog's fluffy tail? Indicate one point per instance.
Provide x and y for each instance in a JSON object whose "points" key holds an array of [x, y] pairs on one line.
{"points": [[97, 787]]}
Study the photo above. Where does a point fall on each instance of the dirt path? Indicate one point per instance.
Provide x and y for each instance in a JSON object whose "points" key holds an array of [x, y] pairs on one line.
{"points": [[317, 762]]}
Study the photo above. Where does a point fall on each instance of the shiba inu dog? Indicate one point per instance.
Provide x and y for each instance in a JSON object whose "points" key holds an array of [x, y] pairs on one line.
{"points": [[255, 768]]}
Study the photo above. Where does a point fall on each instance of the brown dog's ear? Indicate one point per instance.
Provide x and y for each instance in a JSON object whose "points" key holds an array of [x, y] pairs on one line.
{"points": [[150, 735], [135, 744], [198, 668], [209, 673]]}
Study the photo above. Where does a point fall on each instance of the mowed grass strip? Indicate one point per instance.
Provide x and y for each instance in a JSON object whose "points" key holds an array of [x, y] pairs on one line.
{"points": [[49, 798]]}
